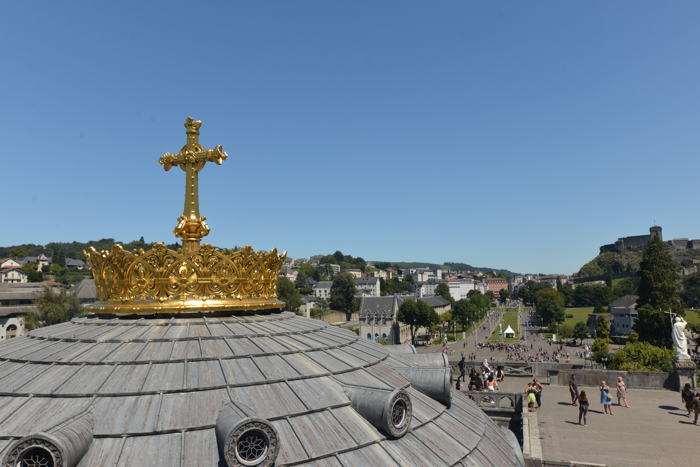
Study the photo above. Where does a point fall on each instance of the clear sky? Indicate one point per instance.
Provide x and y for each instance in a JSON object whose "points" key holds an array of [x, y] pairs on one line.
{"points": [[520, 135]]}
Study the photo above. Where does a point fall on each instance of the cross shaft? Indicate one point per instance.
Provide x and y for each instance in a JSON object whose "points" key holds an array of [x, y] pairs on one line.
{"points": [[191, 159]]}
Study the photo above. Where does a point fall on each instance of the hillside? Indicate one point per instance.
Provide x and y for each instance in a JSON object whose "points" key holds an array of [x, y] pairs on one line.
{"points": [[447, 265], [69, 249], [616, 264]]}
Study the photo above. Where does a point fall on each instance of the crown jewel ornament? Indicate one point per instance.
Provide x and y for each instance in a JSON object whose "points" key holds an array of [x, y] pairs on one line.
{"points": [[194, 278]]}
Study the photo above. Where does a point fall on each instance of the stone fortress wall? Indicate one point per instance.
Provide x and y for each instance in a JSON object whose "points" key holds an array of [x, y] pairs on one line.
{"points": [[638, 242]]}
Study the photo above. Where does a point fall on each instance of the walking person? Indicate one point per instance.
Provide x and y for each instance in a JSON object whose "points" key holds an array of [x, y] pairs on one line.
{"points": [[621, 391], [573, 390], [605, 398], [538, 395], [490, 384], [531, 397], [462, 369], [582, 407], [687, 398], [696, 406]]}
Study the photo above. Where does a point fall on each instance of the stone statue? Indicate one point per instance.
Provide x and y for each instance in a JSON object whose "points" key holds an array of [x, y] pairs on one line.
{"points": [[680, 343]]}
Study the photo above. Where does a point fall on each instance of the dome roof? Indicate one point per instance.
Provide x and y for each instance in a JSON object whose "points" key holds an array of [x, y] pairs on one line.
{"points": [[129, 387], [153, 391]]}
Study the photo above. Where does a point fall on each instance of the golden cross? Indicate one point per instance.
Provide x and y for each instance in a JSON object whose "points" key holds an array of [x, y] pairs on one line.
{"points": [[191, 159]]}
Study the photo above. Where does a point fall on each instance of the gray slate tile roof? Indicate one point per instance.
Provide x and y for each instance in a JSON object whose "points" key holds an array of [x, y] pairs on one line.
{"points": [[85, 290], [155, 387], [434, 301], [625, 301], [366, 281], [382, 306]]}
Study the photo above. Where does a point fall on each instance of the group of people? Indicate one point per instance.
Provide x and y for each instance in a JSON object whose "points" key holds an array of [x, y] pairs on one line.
{"points": [[580, 398], [534, 395], [485, 378]]}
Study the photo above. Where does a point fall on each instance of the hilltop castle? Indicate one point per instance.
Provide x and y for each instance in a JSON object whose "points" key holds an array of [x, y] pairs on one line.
{"points": [[638, 242]]}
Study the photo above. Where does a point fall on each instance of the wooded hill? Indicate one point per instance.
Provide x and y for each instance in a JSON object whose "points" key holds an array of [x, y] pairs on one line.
{"points": [[70, 249], [620, 264]]}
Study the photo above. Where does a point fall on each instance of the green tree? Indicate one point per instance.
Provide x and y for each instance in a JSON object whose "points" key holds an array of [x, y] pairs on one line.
{"points": [[480, 301], [658, 292], [528, 290], [580, 331], [59, 257], [447, 318], [591, 295], [600, 349], [503, 295], [566, 331], [602, 328], [302, 284], [32, 274], [309, 270], [18, 252], [653, 326], [443, 290], [416, 315], [394, 286], [342, 293], [567, 293], [549, 306], [460, 312], [642, 356], [658, 278], [691, 291], [55, 307], [409, 314], [288, 293], [429, 316]]}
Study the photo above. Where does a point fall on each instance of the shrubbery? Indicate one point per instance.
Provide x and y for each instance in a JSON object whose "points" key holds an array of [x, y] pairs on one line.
{"points": [[642, 356], [600, 349]]}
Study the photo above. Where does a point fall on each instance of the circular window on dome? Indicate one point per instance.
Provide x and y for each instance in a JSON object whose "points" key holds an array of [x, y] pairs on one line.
{"points": [[36, 457], [398, 414], [252, 447], [254, 443], [34, 452]]}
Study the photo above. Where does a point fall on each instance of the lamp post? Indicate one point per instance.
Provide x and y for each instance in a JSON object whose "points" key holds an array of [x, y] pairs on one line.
{"points": [[605, 361]]}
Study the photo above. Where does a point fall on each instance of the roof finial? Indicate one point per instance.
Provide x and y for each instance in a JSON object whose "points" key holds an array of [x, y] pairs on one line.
{"points": [[191, 159]]}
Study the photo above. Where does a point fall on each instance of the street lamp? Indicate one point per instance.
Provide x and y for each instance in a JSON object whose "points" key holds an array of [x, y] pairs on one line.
{"points": [[605, 360]]}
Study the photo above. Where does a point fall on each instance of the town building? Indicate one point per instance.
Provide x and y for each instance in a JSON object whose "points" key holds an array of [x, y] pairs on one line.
{"points": [[367, 287], [85, 291], [554, 280], [496, 284], [439, 304], [73, 263], [624, 314], [427, 288], [460, 288], [381, 274], [308, 303], [7, 263], [378, 319], [13, 275], [322, 289], [16, 302], [40, 261], [356, 273], [11, 323]]}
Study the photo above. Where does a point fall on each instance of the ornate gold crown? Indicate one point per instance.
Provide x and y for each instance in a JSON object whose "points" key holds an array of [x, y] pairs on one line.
{"points": [[194, 278]]}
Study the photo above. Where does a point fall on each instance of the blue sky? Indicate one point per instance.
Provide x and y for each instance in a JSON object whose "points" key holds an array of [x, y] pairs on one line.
{"points": [[520, 135]]}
